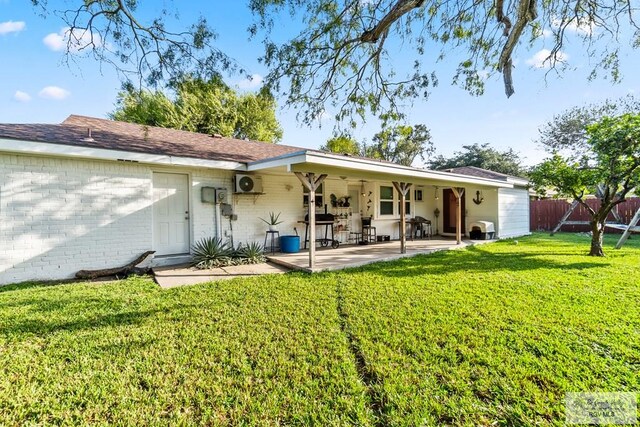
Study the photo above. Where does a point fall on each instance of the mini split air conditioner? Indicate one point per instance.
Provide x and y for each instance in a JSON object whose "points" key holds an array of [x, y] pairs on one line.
{"points": [[248, 184]]}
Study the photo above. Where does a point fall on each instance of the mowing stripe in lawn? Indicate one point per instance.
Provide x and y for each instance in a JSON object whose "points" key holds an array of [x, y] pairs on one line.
{"points": [[368, 375]]}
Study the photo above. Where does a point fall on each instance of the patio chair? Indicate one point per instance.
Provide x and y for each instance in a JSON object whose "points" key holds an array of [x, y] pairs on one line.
{"points": [[369, 232], [423, 227]]}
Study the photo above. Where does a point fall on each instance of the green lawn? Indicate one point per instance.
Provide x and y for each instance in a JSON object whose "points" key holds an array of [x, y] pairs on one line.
{"points": [[494, 334]]}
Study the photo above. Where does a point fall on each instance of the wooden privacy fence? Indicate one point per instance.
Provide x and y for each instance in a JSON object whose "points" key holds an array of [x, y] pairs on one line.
{"points": [[545, 214]]}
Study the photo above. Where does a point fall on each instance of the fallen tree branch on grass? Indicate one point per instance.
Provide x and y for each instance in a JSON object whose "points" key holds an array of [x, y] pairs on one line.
{"points": [[124, 271]]}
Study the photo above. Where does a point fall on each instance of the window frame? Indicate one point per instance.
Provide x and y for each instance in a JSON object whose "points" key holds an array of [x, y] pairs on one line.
{"points": [[319, 196], [407, 203], [392, 200]]}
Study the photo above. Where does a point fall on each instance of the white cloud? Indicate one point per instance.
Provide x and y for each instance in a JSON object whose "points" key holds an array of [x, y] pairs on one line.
{"points": [[54, 92], [21, 96], [544, 59], [583, 27], [11, 27], [76, 40], [253, 83]]}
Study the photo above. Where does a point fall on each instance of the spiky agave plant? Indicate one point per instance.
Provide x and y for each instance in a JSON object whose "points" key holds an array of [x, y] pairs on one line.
{"points": [[211, 252], [252, 253]]}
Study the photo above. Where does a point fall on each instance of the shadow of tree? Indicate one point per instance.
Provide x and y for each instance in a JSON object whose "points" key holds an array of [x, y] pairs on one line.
{"points": [[32, 326], [51, 283]]}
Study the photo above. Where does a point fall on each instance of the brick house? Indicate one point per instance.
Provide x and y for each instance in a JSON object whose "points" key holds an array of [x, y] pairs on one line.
{"points": [[93, 193]]}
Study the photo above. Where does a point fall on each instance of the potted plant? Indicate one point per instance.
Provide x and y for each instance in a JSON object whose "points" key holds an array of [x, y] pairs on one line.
{"points": [[273, 221]]}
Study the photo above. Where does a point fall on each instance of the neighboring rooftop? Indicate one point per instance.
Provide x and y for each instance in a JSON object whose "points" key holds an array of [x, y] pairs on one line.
{"points": [[485, 173], [131, 137]]}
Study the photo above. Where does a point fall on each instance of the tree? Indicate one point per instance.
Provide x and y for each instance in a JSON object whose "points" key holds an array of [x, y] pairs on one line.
{"points": [[567, 131], [366, 57], [401, 144], [609, 158], [481, 156], [347, 54], [342, 144], [203, 106]]}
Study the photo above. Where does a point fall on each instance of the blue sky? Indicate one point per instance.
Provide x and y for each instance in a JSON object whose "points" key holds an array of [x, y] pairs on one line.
{"points": [[37, 85]]}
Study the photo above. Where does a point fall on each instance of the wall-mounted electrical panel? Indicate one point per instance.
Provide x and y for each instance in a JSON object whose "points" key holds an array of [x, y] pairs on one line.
{"points": [[208, 195]]}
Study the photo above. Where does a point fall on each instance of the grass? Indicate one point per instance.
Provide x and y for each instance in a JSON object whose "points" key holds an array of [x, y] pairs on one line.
{"points": [[494, 334]]}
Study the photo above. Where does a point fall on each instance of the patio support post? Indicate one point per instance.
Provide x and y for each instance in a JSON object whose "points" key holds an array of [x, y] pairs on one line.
{"points": [[402, 188], [458, 192], [311, 183]]}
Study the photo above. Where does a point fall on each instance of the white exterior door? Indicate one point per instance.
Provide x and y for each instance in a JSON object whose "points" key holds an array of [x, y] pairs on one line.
{"points": [[170, 213]]}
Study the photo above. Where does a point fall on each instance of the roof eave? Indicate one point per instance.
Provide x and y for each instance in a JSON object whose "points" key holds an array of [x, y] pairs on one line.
{"points": [[17, 146], [369, 165]]}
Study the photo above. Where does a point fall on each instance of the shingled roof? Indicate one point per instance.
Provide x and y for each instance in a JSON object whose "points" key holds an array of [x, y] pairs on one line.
{"points": [[482, 173], [130, 137]]}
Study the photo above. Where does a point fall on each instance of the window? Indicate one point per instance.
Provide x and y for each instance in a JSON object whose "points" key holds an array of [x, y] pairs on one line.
{"points": [[386, 200], [407, 204], [319, 196]]}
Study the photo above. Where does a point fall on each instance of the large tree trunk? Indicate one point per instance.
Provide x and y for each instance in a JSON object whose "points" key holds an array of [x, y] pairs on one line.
{"points": [[597, 234]]}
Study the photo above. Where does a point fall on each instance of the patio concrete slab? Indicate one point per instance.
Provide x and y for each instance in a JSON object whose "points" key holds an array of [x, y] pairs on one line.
{"points": [[181, 275], [348, 256]]}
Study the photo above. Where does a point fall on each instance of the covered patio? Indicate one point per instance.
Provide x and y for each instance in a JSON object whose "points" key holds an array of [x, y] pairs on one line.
{"points": [[348, 256], [388, 196]]}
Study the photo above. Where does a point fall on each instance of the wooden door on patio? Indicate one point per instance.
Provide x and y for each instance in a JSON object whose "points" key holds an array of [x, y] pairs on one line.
{"points": [[449, 209]]}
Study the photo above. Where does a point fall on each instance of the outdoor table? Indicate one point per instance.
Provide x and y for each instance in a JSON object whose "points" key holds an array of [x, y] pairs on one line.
{"points": [[414, 223]]}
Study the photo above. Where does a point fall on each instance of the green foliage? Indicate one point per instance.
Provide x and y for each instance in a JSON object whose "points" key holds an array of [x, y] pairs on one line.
{"points": [[140, 46], [491, 335], [252, 253], [274, 219], [567, 131], [615, 142], [482, 156], [209, 107], [610, 155], [606, 163], [211, 252], [147, 107], [347, 54], [568, 179], [401, 144], [342, 144]]}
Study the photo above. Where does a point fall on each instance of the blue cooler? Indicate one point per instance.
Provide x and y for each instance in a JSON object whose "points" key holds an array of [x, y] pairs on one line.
{"points": [[289, 244]]}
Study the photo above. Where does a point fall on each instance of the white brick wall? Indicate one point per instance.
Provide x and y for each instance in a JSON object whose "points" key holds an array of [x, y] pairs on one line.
{"points": [[59, 216]]}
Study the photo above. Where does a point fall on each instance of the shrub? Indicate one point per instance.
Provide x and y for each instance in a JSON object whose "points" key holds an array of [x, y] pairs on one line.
{"points": [[252, 253], [211, 252]]}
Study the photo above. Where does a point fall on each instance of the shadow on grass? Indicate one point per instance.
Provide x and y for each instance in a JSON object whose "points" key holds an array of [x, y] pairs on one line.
{"points": [[53, 283], [31, 326], [476, 259]]}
